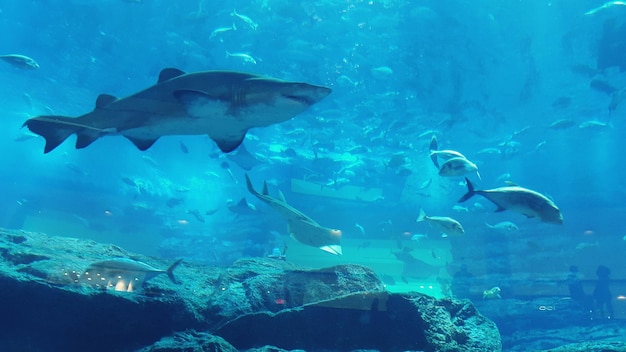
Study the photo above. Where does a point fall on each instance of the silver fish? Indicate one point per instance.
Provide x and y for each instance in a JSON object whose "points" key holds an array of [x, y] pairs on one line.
{"points": [[443, 224], [124, 274], [518, 199], [20, 61], [457, 167]]}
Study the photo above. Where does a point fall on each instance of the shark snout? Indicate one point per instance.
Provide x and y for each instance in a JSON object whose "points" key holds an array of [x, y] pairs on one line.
{"points": [[307, 94]]}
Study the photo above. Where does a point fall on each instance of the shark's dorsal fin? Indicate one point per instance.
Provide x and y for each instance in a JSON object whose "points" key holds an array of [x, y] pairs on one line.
{"points": [[281, 196], [141, 143], [169, 73], [265, 192], [104, 100], [243, 203]]}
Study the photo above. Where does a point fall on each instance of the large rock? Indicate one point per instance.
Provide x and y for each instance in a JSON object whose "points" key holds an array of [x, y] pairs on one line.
{"points": [[49, 305]]}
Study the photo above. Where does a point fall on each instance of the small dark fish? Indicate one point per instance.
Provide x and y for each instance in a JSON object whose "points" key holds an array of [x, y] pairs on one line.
{"points": [[602, 86], [397, 160], [184, 148], [129, 181], [172, 202], [20, 61]]}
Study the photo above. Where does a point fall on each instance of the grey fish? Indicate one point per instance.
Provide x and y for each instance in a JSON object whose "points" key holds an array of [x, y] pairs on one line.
{"points": [[445, 225], [457, 167], [20, 61], [445, 154], [222, 104], [112, 268], [503, 227], [301, 227], [518, 199]]}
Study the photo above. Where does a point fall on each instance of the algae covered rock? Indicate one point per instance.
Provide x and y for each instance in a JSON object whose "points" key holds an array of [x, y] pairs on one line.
{"points": [[258, 304]]}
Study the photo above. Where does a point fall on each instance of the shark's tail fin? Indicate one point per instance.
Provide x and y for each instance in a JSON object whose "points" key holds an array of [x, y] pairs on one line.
{"points": [[470, 191], [422, 216], [434, 146], [250, 186], [56, 129], [170, 270]]}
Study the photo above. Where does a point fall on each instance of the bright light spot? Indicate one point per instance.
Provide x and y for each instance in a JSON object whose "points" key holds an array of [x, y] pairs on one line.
{"points": [[621, 297], [182, 222], [588, 232], [120, 285]]}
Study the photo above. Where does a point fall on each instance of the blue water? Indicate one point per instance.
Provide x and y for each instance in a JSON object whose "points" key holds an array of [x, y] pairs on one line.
{"points": [[477, 74]]}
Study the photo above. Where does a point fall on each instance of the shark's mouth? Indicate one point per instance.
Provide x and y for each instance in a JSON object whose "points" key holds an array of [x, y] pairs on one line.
{"points": [[300, 99]]}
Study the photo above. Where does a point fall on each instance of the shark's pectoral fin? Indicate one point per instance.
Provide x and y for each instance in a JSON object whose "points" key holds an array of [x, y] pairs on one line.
{"points": [[142, 143], [226, 144], [169, 73]]}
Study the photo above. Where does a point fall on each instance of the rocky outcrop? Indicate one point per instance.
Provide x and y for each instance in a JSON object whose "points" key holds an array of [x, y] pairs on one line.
{"points": [[50, 306]]}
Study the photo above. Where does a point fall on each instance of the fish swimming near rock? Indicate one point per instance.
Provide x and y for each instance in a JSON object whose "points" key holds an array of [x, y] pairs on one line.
{"points": [[301, 227], [518, 199], [20, 61], [492, 293], [445, 225], [222, 104], [124, 274]]}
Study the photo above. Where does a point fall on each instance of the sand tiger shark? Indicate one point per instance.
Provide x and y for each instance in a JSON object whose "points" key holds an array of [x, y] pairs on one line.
{"points": [[301, 227], [222, 104]]}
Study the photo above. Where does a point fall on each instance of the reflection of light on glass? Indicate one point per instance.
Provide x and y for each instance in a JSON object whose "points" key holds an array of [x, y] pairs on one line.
{"points": [[182, 222], [130, 287], [621, 297], [588, 232], [120, 285]]}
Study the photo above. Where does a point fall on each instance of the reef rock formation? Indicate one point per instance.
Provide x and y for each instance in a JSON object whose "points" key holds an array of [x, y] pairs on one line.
{"points": [[49, 303]]}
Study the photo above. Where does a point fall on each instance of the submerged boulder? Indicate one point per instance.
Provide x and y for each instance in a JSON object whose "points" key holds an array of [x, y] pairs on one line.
{"points": [[256, 302]]}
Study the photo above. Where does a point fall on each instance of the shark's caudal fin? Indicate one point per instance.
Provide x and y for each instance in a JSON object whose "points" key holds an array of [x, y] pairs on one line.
{"points": [[434, 146], [56, 129], [470, 191], [170, 271], [250, 186]]}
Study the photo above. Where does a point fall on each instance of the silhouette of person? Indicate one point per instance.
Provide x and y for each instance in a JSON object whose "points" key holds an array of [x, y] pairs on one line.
{"points": [[461, 282], [575, 286], [601, 294]]}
